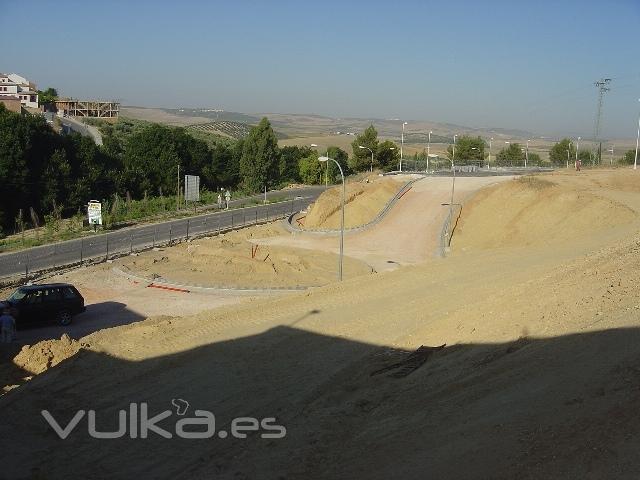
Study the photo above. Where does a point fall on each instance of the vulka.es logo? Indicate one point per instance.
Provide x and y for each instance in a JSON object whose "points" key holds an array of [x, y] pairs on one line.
{"points": [[136, 423]]}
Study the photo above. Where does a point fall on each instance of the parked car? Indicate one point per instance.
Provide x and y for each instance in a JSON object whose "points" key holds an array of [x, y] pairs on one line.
{"points": [[41, 303]]}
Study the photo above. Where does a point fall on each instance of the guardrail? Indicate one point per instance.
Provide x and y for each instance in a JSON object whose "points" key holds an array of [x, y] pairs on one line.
{"points": [[289, 222], [32, 263]]}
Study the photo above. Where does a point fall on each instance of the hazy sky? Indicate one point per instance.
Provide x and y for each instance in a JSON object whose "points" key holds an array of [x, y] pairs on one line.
{"points": [[512, 64]]}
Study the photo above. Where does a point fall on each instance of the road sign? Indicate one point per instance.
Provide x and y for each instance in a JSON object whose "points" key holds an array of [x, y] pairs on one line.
{"points": [[192, 188], [94, 212]]}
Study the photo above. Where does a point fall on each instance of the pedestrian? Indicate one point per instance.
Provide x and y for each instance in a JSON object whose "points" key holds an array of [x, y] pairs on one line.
{"points": [[7, 326], [578, 165], [219, 201]]}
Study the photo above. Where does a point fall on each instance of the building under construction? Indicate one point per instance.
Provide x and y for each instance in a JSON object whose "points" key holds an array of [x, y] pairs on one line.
{"points": [[88, 108]]}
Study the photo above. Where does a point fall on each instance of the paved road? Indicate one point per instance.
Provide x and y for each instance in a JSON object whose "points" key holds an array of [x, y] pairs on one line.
{"points": [[137, 238]]}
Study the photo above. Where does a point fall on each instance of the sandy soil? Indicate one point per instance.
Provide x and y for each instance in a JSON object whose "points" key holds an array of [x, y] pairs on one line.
{"points": [[408, 235], [234, 260], [538, 378], [364, 200]]}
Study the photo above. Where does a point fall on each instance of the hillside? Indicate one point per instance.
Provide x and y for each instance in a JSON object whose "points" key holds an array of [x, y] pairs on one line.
{"points": [[508, 359]]}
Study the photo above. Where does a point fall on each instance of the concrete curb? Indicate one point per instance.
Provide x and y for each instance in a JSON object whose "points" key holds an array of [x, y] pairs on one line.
{"points": [[206, 289], [288, 222]]}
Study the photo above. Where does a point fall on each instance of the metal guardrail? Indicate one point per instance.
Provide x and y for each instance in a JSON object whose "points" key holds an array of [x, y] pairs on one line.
{"points": [[289, 222], [34, 262]]}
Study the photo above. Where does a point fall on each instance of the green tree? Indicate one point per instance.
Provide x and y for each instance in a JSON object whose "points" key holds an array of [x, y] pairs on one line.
{"points": [[468, 149], [48, 96], [511, 155], [311, 171], [361, 157], [534, 159], [290, 157], [260, 161], [558, 153], [387, 156], [342, 158], [629, 157]]}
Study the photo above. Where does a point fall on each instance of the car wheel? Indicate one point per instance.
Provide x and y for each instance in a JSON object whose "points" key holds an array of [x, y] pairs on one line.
{"points": [[64, 318]]}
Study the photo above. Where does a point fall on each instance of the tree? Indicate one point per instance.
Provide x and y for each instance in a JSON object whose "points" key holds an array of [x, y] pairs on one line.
{"points": [[290, 157], [361, 158], [342, 158], [259, 164], [628, 158], [387, 156], [534, 159], [48, 96], [558, 153], [468, 149], [311, 171], [511, 155]]}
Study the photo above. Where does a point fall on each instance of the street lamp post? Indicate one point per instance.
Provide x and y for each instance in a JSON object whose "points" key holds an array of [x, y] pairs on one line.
{"points": [[453, 188], [635, 162], [489, 160], [402, 144], [611, 157], [326, 170], [367, 148], [509, 143], [428, 149], [326, 160]]}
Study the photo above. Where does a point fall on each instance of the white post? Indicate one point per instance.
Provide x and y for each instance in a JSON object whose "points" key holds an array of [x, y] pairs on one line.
{"points": [[489, 161], [402, 144], [577, 148], [526, 155], [635, 162], [428, 150]]}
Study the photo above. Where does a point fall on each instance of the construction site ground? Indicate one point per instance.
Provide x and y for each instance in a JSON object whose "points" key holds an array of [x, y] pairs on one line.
{"points": [[516, 356]]}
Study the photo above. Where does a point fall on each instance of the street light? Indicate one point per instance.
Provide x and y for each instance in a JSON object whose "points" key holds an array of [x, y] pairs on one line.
{"points": [[635, 162], [402, 144], [360, 146], [611, 157], [326, 170], [489, 161], [429, 150], [326, 160]]}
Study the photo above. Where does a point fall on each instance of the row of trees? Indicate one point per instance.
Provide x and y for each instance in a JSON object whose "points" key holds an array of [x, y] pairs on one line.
{"points": [[46, 173]]}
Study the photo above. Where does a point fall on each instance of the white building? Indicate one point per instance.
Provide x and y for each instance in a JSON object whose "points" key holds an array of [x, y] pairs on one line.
{"points": [[14, 85]]}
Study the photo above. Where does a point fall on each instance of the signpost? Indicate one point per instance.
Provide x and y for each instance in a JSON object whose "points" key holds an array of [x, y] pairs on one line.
{"points": [[192, 189], [94, 213]]}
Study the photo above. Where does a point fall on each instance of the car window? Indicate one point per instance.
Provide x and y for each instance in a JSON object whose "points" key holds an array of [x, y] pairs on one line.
{"points": [[34, 297], [51, 295], [69, 293], [17, 295]]}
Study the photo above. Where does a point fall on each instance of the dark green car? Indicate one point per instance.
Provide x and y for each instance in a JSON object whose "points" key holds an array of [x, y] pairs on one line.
{"points": [[42, 303]]}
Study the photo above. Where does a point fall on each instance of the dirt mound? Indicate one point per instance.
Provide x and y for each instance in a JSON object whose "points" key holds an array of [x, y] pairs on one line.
{"points": [[233, 260], [43, 355], [363, 201], [534, 211]]}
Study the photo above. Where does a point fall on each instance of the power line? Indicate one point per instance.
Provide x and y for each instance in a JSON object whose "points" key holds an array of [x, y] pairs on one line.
{"points": [[603, 87]]}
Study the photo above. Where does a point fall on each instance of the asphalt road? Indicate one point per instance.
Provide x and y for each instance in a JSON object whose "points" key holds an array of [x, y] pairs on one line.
{"points": [[131, 239]]}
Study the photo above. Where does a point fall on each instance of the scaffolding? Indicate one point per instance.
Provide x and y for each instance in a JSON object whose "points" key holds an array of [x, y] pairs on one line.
{"points": [[88, 108]]}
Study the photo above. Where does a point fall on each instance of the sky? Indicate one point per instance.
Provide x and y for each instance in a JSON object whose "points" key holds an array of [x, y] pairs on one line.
{"points": [[517, 64]]}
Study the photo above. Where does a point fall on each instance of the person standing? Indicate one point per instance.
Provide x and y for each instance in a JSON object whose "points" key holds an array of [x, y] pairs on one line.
{"points": [[219, 202], [7, 326]]}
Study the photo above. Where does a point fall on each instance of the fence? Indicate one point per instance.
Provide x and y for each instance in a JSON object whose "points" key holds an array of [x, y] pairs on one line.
{"points": [[101, 247]]}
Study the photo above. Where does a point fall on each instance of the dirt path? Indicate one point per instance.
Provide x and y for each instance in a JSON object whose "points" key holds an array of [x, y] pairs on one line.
{"points": [[409, 234]]}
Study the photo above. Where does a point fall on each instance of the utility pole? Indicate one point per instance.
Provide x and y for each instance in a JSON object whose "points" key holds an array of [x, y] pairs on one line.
{"points": [[603, 87], [178, 191]]}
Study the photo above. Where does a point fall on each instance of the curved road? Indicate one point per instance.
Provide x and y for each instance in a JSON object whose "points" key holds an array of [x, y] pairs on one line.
{"points": [[131, 239]]}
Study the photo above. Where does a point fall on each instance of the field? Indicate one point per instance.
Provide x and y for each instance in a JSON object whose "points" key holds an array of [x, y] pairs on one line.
{"points": [[516, 355]]}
